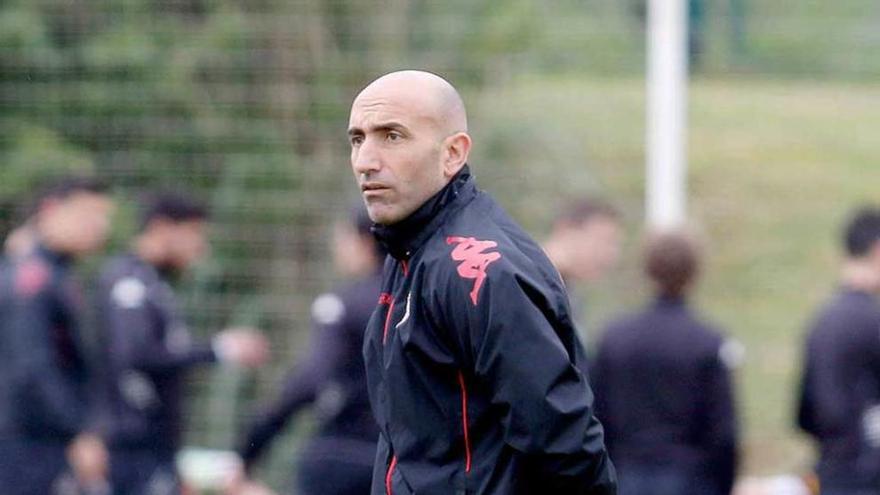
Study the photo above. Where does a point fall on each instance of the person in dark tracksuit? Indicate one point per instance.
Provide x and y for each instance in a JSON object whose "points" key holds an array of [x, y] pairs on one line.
{"points": [[149, 349], [664, 388], [48, 400], [840, 388], [338, 459], [476, 376]]}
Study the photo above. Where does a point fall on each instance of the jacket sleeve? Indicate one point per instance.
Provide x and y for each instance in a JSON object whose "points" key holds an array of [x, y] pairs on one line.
{"points": [[720, 424], [51, 404], [521, 347], [141, 340], [303, 383], [806, 418]]}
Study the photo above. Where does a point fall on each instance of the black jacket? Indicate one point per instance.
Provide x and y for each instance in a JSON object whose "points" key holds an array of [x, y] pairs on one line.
{"points": [[474, 370], [665, 393], [48, 393], [332, 377], [840, 391], [148, 350]]}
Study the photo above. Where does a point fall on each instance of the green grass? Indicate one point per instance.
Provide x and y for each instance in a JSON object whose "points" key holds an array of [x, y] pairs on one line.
{"points": [[775, 167]]}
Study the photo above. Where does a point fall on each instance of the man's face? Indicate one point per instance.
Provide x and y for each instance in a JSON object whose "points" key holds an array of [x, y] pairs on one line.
{"points": [[396, 155], [78, 224], [187, 243], [596, 247], [354, 253]]}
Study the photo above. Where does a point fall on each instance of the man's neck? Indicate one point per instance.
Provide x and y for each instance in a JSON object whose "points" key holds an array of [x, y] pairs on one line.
{"points": [[402, 238], [860, 275], [148, 250]]}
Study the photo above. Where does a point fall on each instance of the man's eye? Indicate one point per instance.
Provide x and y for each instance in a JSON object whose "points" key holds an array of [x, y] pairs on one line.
{"points": [[394, 136], [356, 140]]}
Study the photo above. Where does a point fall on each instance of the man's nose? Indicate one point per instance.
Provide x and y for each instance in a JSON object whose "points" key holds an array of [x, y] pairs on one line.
{"points": [[366, 158]]}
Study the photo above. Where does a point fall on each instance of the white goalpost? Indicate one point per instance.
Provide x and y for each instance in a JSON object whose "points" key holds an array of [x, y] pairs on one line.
{"points": [[666, 144]]}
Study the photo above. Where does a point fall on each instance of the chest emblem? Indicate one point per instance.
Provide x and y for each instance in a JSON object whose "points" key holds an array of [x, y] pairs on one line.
{"points": [[474, 259]]}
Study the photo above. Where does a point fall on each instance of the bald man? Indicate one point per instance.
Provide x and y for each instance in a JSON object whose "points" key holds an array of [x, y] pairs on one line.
{"points": [[475, 375]]}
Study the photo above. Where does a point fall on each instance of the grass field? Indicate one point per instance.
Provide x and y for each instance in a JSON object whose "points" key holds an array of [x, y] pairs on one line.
{"points": [[775, 166]]}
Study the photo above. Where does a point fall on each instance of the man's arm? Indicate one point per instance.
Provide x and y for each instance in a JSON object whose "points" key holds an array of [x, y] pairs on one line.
{"points": [[806, 407], [302, 385], [720, 423], [138, 338], [526, 356], [48, 394]]}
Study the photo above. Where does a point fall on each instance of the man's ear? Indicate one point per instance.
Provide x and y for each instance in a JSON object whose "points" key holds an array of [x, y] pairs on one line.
{"points": [[874, 253], [455, 153]]}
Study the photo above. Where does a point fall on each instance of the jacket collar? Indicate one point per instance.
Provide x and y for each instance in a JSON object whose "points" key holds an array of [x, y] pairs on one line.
{"points": [[53, 257], [164, 274], [664, 301], [855, 292], [404, 238]]}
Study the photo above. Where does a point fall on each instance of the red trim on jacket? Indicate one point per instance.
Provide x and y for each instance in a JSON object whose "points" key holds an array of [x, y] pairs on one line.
{"points": [[464, 424], [388, 475]]}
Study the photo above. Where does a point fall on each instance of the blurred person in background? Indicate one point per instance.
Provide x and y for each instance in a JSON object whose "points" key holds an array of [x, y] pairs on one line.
{"points": [[663, 385], [473, 365], [48, 396], [840, 388], [19, 242], [583, 246], [149, 349], [338, 460]]}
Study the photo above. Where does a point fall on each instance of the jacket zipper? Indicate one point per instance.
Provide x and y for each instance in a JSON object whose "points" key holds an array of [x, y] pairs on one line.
{"points": [[393, 465], [464, 424], [388, 475], [405, 265], [387, 321]]}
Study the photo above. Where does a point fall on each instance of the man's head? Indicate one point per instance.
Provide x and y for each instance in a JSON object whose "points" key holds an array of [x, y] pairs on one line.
{"points": [[72, 216], [672, 262], [861, 238], [173, 231], [585, 241], [408, 135], [356, 252]]}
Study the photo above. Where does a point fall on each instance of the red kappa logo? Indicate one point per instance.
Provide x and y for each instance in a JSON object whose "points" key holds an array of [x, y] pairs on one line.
{"points": [[474, 260]]}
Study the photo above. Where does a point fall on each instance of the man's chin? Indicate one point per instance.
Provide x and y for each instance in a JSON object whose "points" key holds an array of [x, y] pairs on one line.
{"points": [[383, 215]]}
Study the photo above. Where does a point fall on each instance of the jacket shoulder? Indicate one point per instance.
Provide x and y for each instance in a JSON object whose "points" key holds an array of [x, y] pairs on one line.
{"points": [[716, 342], [124, 283], [482, 243], [702, 337]]}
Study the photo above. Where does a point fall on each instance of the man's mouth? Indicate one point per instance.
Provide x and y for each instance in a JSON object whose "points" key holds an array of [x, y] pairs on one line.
{"points": [[368, 187]]}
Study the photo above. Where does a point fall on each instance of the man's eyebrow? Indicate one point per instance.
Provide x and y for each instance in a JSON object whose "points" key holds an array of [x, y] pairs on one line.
{"points": [[390, 126], [384, 126]]}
